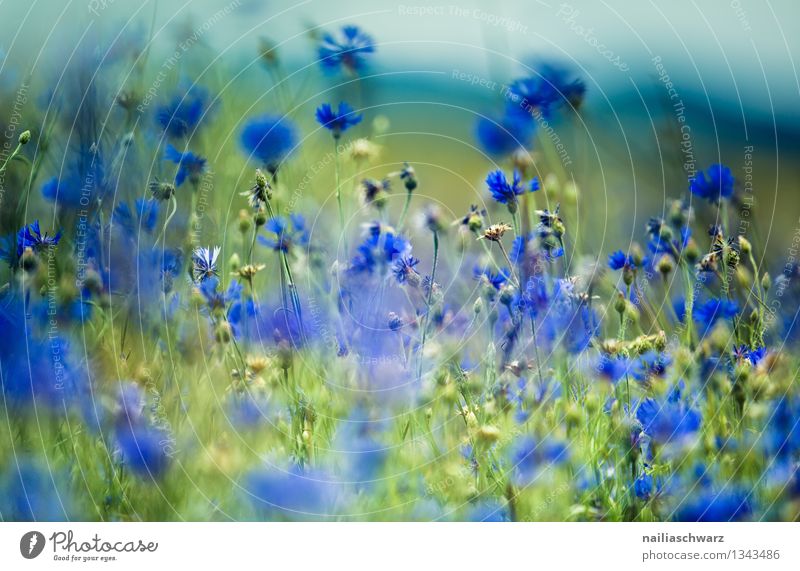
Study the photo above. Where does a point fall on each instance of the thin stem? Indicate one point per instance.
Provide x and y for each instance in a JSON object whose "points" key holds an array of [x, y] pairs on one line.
{"points": [[510, 265], [10, 157], [405, 211], [339, 194], [536, 348], [428, 302], [287, 271]]}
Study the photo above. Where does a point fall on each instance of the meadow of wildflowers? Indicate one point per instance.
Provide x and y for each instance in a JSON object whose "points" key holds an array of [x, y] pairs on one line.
{"points": [[219, 301]]}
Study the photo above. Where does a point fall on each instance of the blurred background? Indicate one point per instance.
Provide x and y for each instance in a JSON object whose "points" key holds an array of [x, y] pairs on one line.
{"points": [[671, 87]]}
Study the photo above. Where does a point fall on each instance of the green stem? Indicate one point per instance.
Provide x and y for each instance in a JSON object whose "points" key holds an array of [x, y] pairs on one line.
{"points": [[428, 302], [287, 271], [339, 194], [10, 157], [405, 211]]}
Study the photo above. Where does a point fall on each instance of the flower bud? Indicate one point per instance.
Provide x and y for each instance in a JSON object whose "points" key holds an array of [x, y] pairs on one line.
{"points": [[245, 222], [766, 282], [234, 262], [260, 217], [619, 303], [665, 265], [488, 434], [744, 245], [24, 137], [691, 252], [223, 332]]}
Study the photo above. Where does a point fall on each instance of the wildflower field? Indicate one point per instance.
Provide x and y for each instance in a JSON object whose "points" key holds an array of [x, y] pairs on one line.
{"points": [[257, 280]]}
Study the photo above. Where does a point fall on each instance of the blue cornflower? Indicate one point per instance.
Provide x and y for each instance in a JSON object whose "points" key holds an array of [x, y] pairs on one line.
{"points": [[757, 354], [183, 113], [339, 121], [488, 510], [663, 239], [618, 260], [530, 458], [30, 491], [496, 280], [614, 368], [217, 300], [519, 247], [204, 263], [706, 314], [269, 138], [551, 87], [190, 165], [646, 487], [378, 250], [143, 449], [708, 504], [511, 132], [743, 353], [30, 374], [287, 233], [506, 192], [293, 493], [404, 269], [781, 436], [669, 421], [349, 53], [714, 184], [31, 237], [651, 364], [145, 219]]}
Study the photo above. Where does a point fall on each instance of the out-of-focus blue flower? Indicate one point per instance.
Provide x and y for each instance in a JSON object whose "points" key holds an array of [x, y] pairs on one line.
{"points": [[569, 322], [143, 449], [669, 421], [781, 436], [365, 455], [551, 86], [707, 313], [488, 510], [293, 493], [145, 218], [494, 279], [646, 487], [714, 185], [651, 364], [30, 492], [339, 121], [613, 368], [531, 458], [32, 237], [743, 353], [216, 299], [190, 165], [378, 251], [707, 504], [666, 239], [36, 370], [269, 138], [287, 233], [511, 132], [349, 53], [182, 114]]}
